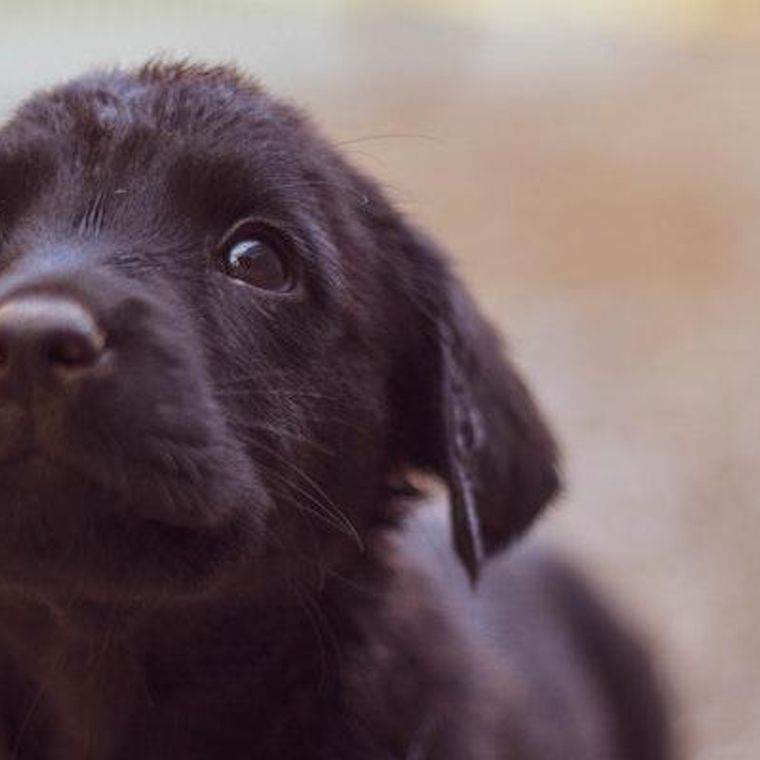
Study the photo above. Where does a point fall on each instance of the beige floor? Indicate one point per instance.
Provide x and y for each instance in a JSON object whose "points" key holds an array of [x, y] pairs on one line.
{"points": [[603, 199]]}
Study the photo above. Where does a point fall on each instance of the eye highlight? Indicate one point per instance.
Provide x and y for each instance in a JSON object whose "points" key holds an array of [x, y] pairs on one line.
{"points": [[257, 255]]}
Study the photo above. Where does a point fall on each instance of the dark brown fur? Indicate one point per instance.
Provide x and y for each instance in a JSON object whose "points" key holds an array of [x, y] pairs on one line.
{"points": [[202, 551]]}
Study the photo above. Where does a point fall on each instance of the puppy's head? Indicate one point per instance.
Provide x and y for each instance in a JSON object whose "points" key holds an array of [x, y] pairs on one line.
{"points": [[219, 345]]}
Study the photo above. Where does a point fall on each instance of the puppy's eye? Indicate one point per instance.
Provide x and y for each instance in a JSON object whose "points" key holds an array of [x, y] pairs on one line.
{"points": [[256, 256]]}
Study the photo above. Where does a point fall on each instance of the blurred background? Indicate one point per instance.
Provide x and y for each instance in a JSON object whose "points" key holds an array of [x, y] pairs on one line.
{"points": [[594, 168]]}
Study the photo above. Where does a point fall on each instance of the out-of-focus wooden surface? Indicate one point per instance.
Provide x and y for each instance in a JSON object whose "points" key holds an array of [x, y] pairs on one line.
{"points": [[602, 197]]}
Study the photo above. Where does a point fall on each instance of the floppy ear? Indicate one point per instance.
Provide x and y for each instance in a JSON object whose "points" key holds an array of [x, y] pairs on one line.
{"points": [[467, 416]]}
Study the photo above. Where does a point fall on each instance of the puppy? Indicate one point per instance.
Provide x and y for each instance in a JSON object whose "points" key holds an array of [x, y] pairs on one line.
{"points": [[221, 352]]}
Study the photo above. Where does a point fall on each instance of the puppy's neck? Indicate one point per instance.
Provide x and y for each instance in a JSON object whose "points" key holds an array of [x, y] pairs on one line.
{"points": [[201, 680]]}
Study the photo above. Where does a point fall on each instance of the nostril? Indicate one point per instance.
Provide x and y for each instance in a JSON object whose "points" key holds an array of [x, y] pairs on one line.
{"points": [[75, 349]]}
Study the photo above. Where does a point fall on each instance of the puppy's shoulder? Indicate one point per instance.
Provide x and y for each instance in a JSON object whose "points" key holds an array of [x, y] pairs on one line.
{"points": [[425, 678], [495, 654]]}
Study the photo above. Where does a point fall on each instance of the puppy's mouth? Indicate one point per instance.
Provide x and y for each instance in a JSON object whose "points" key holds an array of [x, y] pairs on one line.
{"points": [[61, 528], [118, 472], [134, 487]]}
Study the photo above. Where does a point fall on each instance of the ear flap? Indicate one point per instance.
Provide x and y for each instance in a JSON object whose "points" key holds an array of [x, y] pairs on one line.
{"points": [[469, 418]]}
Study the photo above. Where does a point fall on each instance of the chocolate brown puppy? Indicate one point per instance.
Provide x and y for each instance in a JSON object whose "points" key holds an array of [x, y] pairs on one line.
{"points": [[221, 353]]}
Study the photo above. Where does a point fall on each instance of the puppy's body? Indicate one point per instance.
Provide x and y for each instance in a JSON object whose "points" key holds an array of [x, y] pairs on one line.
{"points": [[411, 666], [219, 348]]}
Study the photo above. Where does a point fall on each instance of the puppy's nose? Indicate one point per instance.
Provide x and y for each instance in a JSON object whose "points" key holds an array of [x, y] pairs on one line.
{"points": [[48, 336]]}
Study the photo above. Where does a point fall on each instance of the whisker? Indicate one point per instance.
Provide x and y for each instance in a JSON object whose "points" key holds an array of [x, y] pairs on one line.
{"points": [[317, 633], [271, 375], [304, 476], [311, 184], [231, 391], [392, 136], [34, 705], [284, 433], [332, 509], [335, 518]]}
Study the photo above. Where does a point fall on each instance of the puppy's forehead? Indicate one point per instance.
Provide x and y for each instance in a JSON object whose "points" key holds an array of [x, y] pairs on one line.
{"points": [[175, 101], [149, 120], [206, 144]]}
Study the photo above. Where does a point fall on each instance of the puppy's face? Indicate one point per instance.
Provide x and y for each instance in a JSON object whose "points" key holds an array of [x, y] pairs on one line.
{"points": [[217, 344]]}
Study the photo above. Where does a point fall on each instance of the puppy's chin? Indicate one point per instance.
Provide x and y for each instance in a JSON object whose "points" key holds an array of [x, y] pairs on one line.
{"points": [[63, 536]]}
